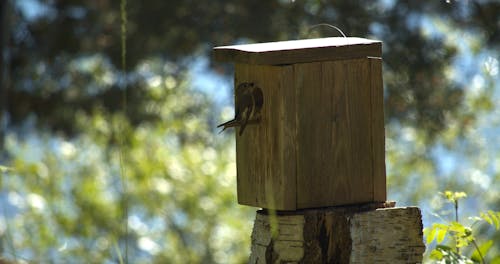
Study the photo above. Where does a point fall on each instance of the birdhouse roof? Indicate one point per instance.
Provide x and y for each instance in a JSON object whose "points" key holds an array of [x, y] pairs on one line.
{"points": [[299, 51]]}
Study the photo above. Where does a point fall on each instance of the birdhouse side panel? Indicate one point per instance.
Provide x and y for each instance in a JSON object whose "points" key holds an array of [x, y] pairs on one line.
{"points": [[360, 118], [378, 131], [334, 133], [265, 152]]}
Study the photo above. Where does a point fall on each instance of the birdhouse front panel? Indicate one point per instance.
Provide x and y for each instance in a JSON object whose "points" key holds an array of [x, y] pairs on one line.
{"points": [[340, 142], [309, 122]]}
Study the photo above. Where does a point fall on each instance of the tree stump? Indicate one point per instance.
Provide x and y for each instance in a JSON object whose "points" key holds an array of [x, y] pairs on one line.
{"points": [[369, 233]]}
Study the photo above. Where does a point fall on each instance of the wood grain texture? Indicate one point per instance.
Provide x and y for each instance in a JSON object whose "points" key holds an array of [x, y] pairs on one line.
{"points": [[378, 131], [265, 152], [299, 51], [359, 118], [341, 137], [320, 141], [334, 153]]}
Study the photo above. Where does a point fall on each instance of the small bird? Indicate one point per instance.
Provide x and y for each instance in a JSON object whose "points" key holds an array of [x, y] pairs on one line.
{"points": [[248, 102]]}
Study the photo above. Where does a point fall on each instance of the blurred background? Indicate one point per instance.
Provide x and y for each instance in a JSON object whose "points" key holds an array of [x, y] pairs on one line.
{"points": [[65, 198]]}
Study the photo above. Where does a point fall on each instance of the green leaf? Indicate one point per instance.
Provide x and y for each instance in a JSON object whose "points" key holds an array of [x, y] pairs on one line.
{"points": [[441, 234], [495, 260], [454, 196], [459, 195], [448, 195], [492, 218], [457, 228], [486, 218], [448, 255], [437, 231], [436, 254], [462, 234], [495, 217], [431, 234], [483, 249]]}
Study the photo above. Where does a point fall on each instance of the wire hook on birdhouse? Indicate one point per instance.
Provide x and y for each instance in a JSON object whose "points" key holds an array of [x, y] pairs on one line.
{"points": [[325, 25]]}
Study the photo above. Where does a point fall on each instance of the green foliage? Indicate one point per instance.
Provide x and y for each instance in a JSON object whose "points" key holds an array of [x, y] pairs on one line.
{"points": [[461, 235], [446, 255], [492, 218], [481, 251], [4, 169], [66, 123], [180, 186], [454, 197], [180, 194], [177, 32]]}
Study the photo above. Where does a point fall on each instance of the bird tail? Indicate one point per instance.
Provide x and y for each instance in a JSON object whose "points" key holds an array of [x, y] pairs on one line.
{"points": [[228, 124]]}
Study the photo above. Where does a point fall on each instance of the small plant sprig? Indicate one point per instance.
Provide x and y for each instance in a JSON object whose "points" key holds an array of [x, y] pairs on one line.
{"points": [[460, 234]]}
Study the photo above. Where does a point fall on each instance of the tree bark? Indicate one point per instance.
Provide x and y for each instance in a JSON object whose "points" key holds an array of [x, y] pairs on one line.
{"points": [[370, 233]]}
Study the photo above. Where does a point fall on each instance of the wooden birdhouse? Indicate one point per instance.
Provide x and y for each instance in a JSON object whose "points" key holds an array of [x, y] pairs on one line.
{"points": [[309, 121]]}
